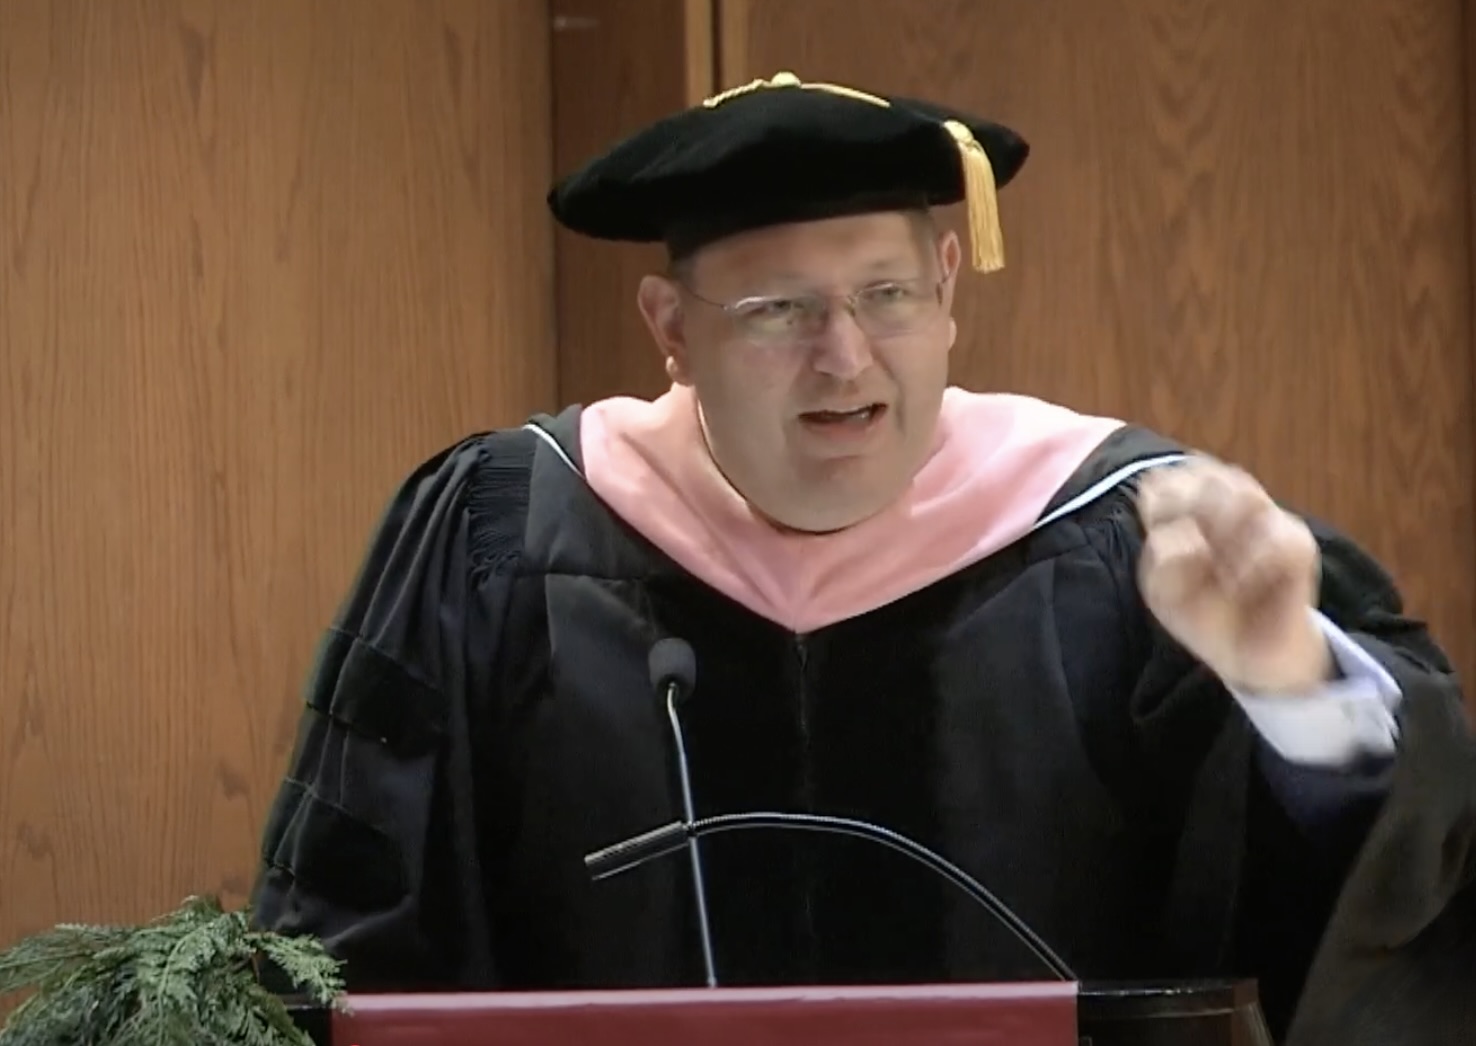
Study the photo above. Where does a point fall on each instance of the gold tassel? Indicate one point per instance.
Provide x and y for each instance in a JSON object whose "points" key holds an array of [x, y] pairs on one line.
{"points": [[979, 189]]}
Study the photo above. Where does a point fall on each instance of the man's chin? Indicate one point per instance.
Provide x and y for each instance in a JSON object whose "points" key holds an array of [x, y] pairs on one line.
{"points": [[847, 495]]}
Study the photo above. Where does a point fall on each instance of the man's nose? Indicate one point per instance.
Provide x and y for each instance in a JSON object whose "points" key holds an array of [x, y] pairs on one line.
{"points": [[843, 350]]}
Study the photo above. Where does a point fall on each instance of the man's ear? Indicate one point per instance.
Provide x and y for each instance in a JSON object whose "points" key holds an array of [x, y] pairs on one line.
{"points": [[660, 302], [950, 256]]}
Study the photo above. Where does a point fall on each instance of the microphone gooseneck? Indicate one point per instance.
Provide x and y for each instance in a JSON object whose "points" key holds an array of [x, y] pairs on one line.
{"points": [[631, 853], [673, 668]]}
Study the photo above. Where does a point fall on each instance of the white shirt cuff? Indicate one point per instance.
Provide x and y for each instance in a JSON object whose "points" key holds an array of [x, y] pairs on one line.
{"points": [[1337, 723]]}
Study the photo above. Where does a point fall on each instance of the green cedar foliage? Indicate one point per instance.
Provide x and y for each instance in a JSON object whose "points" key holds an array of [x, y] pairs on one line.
{"points": [[188, 978]]}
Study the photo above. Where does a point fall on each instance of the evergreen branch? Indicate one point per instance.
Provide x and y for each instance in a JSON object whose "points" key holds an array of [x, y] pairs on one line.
{"points": [[185, 979], [55, 952], [312, 971]]}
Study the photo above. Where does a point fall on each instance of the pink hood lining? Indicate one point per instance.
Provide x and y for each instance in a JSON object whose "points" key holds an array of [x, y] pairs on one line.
{"points": [[998, 461]]}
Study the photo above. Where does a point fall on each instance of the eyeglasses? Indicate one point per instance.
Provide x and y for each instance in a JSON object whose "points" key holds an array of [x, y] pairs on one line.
{"points": [[882, 310]]}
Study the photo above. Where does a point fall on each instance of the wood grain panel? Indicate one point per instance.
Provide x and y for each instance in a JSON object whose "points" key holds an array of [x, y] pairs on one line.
{"points": [[617, 66], [257, 258], [1242, 223]]}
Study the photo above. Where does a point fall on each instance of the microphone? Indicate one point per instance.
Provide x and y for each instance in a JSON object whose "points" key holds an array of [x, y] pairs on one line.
{"points": [[673, 668], [673, 664]]}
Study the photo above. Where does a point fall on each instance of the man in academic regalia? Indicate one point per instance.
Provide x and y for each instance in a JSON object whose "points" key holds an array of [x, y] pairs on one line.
{"points": [[1177, 729]]}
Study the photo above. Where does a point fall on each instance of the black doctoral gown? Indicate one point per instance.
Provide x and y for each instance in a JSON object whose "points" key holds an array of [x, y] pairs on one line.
{"points": [[481, 718]]}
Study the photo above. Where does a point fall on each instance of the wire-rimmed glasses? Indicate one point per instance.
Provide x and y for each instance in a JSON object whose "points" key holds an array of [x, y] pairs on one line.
{"points": [[882, 310]]}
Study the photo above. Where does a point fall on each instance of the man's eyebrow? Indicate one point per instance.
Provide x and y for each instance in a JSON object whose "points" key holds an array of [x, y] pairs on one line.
{"points": [[787, 280]]}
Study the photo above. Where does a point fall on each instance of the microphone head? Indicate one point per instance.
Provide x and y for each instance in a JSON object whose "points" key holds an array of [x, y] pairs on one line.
{"points": [[673, 663]]}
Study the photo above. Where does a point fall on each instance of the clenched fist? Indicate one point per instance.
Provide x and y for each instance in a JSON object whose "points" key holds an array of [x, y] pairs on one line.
{"points": [[1232, 577]]}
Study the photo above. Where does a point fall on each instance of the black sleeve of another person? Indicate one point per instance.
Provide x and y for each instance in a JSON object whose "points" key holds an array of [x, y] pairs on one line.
{"points": [[1339, 915]]}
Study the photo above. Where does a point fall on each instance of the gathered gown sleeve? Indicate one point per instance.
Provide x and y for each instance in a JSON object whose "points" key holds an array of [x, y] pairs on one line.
{"points": [[371, 842]]}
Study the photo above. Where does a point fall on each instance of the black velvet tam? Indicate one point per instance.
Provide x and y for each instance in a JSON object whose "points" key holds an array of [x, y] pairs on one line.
{"points": [[784, 150]]}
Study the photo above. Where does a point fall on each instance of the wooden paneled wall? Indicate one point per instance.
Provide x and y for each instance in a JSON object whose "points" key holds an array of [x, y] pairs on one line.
{"points": [[257, 258], [617, 66]]}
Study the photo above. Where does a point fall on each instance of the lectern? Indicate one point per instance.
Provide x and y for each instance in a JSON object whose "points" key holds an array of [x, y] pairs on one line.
{"points": [[1046, 1014]]}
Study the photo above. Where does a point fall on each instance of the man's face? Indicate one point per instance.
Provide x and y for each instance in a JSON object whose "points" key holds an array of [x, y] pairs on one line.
{"points": [[818, 416]]}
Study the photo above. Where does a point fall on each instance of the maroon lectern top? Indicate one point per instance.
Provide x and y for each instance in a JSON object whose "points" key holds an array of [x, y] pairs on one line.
{"points": [[947, 1015]]}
